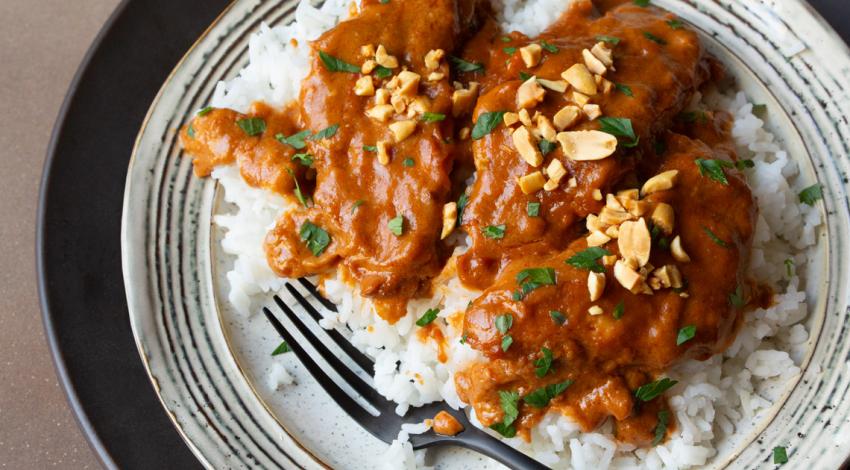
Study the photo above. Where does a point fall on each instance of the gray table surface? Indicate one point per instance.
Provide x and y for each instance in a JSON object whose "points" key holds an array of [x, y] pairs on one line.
{"points": [[41, 45]]}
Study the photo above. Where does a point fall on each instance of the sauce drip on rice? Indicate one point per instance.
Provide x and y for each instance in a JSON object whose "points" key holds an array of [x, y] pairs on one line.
{"points": [[608, 231]]}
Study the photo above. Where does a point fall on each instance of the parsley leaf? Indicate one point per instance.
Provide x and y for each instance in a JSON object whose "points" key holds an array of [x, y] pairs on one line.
{"points": [[486, 123], [654, 38], [557, 317], [427, 317], [744, 164], [337, 65], [737, 298], [462, 201], [396, 225], [357, 204], [315, 237], [619, 127], [510, 406], [408, 162], [303, 158], [465, 66], [789, 267], [326, 133], [811, 194], [624, 89], [661, 427], [641, 3], [608, 39], [713, 169], [507, 341], [686, 333], [589, 259], [504, 322], [283, 348], [546, 146], [780, 456], [542, 396], [651, 390], [506, 431], [370, 148], [533, 209], [549, 47], [715, 238], [252, 126], [619, 310], [675, 24], [532, 278], [382, 72], [542, 365], [432, 117], [297, 191], [494, 231], [524, 76], [204, 111], [505, 39], [190, 132], [295, 141], [760, 109], [509, 50]]}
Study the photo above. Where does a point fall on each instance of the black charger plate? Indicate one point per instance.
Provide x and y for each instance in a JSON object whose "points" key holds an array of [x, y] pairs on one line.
{"points": [[79, 221]]}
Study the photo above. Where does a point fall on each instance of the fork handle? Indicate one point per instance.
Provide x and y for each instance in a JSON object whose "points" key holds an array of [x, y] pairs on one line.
{"points": [[479, 441]]}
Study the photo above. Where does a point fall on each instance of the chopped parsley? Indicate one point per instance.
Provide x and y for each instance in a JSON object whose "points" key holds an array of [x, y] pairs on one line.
{"points": [[619, 310], [641, 3], [494, 231], [760, 109], [462, 201], [507, 341], [382, 72], [429, 316], [619, 127], [432, 117], [303, 158], [686, 333], [789, 267], [744, 164], [609, 39], [357, 204], [624, 89], [505, 39], [675, 24], [384, 2], [190, 132], [282, 348], [715, 238], [370, 148], [326, 133], [465, 66], [661, 427], [557, 317], [651, 390], [780, 456], [408, 162], [509, 50], [316, 238], [544, 363], [546, 146], [533, 209], [811, 194], [714, 169], [549, 47], [504, 322], [337, 65], [533, 278], [204, 111], [486, 123], [510, 406], [654, 38], [589, 259], [295, 141], [252, 126], [297, 191], [524, 76], [693, 116], [543, 395], [737, 298], [396, 225]]}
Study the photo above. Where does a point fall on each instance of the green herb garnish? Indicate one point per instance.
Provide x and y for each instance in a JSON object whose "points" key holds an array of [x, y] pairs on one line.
{"points": [[619, 310], [507, 341], [624, 89], [744, 164], [811, 194], [303, 158], [541, 397], [494, 231], [252, 126], [370, 148], [549, 47], [715, 238], [465, 66], [533, 209], [509, 50], [760, 109], [651, 390], [546, 146], [780, 456], [432, 117], [524, 76], [544, 363], [396, 225], [675, 24], [654, 38], [608, 39], [737, 298], [382, 72], [297, 191], [337, 65], [505, 39], [686, 333], [427, 317], [589, 259], [661, 427], [326, 133], [641, 3], [190, 132], [315, 237], [714, 169], [789, 267], [510, 406], [283, 348], [557, 317], [357, 204], [486, 123], [619, 127], [408, 162], [504, 322], [295, 141], [204, 111], [462, 201]]}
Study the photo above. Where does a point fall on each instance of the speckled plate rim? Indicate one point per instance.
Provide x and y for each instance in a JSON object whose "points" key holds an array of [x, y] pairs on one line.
{"points": [[125, 236]]}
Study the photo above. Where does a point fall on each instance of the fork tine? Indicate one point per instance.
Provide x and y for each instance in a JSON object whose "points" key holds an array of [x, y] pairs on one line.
{"points": [[315, 292], [348, 404], [361, 359], [361, 387]]}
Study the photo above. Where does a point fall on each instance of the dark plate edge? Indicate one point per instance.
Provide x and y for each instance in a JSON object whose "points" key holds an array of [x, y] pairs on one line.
{"points": [[79, 413]]}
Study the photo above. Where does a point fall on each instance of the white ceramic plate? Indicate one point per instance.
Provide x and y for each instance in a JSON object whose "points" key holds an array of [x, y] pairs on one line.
{"points": [[209, 364]]}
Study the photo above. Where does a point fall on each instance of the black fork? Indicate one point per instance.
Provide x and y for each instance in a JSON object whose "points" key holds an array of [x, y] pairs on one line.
{"points": [[387, 424]]}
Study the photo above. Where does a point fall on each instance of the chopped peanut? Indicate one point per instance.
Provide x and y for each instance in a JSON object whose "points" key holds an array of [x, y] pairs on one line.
{"points": [[635, 242], [566, 117], [604, 54], [613, 231], [399, 103], [383, 153], [384, 59], [531, 183], [592, 63], [596, 285], [663, 217], [613, 203], [408, 83], [604, 84], [580, 98], [660, 182], [592, 111], [587, 145], [544, 126], [627, 276], [432, 59], [510, 119], [581, 79], [555, 85], [464, 133], [436, 76], [679, 252], [368, 67], [597, 239], [419, 105], [449, 219], [367, 50], [381, 112], [556, 170], [612, 217], [527, 147], [364, 86], [530, 94], [524, 117], [597, 195], [595, 310], [402, 129], [382, 96], [593, 223], [463, 99], [531, 54]]}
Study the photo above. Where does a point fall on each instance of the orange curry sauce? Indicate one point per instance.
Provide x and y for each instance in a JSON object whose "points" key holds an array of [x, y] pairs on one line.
{"points": [[592, 286]]}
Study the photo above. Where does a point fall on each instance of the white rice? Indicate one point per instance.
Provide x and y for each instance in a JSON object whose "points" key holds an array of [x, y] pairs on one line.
{"points": [[714, 399]]}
